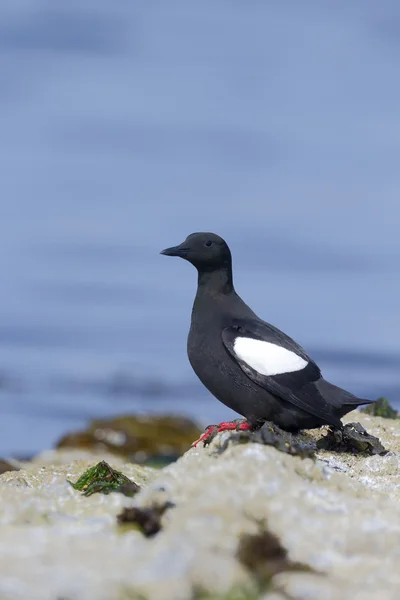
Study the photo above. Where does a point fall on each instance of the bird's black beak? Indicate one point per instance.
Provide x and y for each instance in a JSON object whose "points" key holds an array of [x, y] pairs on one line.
{"points": [[176, 251]]}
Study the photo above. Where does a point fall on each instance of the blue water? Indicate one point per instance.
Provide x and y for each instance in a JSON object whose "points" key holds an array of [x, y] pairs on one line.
{"points": [[124, 127]]}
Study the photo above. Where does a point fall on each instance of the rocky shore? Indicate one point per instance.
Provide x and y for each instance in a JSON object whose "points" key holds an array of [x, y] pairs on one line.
{"points": [[236, 520]]}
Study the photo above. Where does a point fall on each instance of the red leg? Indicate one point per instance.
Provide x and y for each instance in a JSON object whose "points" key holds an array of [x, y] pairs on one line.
{"points": [[212, 430], [207, 434], [233, 426]]}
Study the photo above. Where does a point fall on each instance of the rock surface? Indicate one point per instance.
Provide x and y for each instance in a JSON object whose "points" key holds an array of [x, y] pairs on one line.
{"points": [[141, 438], [336, 520], [6, 465]]}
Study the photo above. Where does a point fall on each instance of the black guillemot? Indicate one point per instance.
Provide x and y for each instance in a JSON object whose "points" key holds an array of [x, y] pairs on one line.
{"points": [[249, 365]]}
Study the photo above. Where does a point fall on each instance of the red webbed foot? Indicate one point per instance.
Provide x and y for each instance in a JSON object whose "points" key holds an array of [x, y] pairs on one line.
{"points": [[212, 430]]}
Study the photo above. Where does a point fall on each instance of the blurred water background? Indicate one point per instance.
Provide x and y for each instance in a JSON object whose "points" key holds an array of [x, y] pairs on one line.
{"points": [[125, 126]]}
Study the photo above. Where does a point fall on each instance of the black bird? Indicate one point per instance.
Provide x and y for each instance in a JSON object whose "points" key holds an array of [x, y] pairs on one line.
{"points": [[246, 363]]}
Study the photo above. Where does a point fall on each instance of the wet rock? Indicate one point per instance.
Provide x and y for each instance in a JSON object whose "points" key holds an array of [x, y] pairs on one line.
{"points": [[6, 466], [381, 408], [271, 435], [143, 439], [103, 478], [352, 438], [148, 520]]}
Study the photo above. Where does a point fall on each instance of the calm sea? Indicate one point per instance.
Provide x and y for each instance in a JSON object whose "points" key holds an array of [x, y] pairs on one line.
{"points": [[124, 127]]}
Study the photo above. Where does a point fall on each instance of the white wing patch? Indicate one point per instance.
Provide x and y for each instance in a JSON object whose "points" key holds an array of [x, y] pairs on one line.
{"points": [[266, 358]]}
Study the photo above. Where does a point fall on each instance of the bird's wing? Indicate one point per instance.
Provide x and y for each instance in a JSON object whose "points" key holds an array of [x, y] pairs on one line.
{"points": [[275, 362]]}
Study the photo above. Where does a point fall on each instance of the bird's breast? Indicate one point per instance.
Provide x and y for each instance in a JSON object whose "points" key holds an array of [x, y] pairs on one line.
{"points": [[205, 349], [210, 360]]}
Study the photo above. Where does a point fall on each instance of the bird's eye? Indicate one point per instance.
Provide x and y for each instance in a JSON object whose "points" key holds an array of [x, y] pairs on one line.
{"points": [[208, 244]]}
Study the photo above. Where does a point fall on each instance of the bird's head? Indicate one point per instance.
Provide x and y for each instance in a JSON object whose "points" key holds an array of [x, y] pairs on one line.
{"points": [[206, 251]]}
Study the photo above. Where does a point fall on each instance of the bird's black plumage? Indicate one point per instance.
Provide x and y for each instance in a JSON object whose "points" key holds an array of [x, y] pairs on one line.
{"points": [[249, 365]]}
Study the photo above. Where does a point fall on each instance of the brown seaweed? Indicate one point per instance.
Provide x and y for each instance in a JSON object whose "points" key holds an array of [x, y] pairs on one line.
{"points": [[264, 556], [142, 438], [352, 438], [271, 435], [147, 519]]}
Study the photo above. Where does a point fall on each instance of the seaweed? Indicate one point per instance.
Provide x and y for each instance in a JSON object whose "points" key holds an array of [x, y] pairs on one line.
{"points": [[351, 438], [103, 478], [147, 520], [381, 408], [272, 435], [264, 556]]}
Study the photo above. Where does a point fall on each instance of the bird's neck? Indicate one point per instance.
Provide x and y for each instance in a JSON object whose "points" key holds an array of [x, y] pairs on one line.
{"points": [[218, 281]]}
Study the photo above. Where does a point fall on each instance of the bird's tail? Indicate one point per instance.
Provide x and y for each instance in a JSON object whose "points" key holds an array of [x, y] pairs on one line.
{"points": [[358, 402], [339, 399]]}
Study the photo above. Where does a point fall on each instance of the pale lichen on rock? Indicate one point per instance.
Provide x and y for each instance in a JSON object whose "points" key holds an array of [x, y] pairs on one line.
{"points": [[247, 521]]}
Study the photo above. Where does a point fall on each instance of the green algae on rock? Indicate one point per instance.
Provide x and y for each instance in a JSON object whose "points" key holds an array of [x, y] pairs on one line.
{"points": [[103, 478], [381, 408], [143, 439], [352, 438]]}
